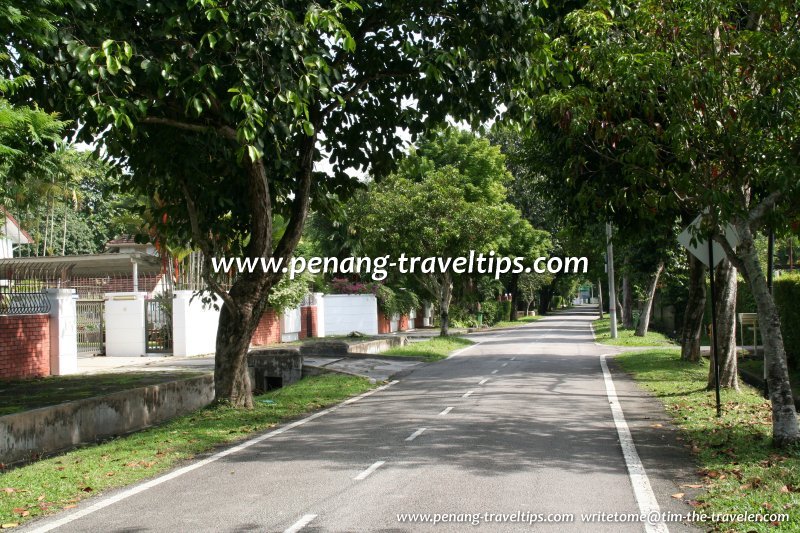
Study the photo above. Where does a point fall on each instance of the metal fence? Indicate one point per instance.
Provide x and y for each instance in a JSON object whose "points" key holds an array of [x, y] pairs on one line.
{"points": [[91, 326], [22, 292]]}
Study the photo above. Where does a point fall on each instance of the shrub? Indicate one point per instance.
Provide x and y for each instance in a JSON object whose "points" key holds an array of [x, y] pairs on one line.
{"points": [[503, 311], [490, 311], [557, 302], [786, 290]]}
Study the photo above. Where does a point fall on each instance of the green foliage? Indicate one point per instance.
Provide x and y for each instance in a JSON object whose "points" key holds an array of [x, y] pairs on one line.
{"points": [[201, 96], [787, 298], [289, 293], [491, 310], [396, 302], [557, 302], [503, 313]]}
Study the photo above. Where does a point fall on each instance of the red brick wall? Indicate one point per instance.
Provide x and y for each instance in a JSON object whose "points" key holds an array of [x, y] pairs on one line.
{"points": [[419, 322], [403, 323], [304, 315], [24, 346], [268, 330]]}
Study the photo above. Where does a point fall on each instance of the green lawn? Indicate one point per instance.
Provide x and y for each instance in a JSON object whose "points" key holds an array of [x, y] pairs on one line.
{"points": [[625, 337], [741, 471], [17, 396], [60, 482], [519, 322], [431, 350]]}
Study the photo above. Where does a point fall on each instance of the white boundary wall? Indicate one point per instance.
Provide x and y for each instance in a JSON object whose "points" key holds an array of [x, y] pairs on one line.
{"points": [[194, 325], [345, 313], [125, 328]]}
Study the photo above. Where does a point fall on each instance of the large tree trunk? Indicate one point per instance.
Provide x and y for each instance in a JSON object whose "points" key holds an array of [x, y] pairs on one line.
{"points": [[784, 418], [695, 309], [231, 379], [627, 298], [647, 309], [445, 296], [600, 296], [725, 277], [514, 289], [546, 296], [247, 299]]}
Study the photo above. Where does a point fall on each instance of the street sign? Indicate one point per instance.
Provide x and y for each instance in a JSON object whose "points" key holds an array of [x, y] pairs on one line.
{"points": [[700, 248]]}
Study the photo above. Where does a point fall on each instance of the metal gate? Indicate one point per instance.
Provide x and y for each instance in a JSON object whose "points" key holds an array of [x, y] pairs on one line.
{"points": [[91, 326], [158, 324]]}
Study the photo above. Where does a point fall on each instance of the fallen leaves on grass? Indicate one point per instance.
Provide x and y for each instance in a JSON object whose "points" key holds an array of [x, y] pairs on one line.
{"points": [[678, 495]]}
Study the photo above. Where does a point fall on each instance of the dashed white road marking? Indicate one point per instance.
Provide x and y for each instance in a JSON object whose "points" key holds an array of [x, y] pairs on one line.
{"points": [[416, 434], [513, 358], [504, 365], [467, 394], [363, 475], [300, 524], [445, 411], [648, 505], [102, 504], [483, 381], [494, 371]]}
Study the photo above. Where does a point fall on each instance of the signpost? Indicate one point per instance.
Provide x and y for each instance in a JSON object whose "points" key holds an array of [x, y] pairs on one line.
{"points": [[710, 253]]}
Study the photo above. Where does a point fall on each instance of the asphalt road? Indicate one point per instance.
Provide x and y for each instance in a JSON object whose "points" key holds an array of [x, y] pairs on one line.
{"points": [[520, 423]]}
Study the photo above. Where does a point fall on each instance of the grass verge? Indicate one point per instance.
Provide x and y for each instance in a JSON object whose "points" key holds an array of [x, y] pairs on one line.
{"points": [[741, 471], [60, 482], [625, 337], [22, 395], [519, 322], [431, 350], [755, 366]]}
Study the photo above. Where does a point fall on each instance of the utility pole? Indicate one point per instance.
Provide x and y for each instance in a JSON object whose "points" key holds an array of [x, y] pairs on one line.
{"points": [[612, 296]]}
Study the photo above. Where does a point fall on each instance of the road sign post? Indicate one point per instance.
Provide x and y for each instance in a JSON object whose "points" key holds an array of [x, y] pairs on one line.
{"points": [[706, 252]]}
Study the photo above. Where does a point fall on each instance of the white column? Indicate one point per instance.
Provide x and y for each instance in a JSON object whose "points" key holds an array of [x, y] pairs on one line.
{"points": [[63, 331], [125, 324]]}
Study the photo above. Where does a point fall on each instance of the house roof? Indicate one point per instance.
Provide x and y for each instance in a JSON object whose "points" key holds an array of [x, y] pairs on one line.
{"points": [[11, 229]]}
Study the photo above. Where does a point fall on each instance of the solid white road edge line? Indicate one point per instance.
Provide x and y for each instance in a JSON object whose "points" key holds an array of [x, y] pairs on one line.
{"points": [[300, 524], [444, 412], [199, 464], [416, 434], [645, 499], [363, 475]]}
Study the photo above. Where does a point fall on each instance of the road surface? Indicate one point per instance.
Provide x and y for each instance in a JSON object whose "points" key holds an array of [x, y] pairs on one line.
{"points": [[519, 425]]}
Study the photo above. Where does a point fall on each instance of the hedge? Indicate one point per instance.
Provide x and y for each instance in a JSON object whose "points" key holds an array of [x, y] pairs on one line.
{"points": [[786, 291], [503, 311]]}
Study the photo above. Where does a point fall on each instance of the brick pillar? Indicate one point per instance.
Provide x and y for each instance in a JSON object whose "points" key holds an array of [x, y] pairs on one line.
{"points": [[384, 324], [308, 321]]}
